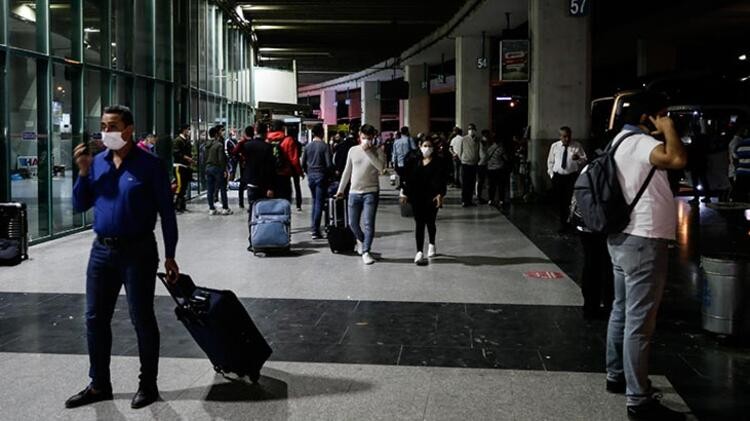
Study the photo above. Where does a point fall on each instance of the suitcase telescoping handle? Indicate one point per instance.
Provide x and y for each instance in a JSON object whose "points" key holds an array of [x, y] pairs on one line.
{"points": [[181, 291]]}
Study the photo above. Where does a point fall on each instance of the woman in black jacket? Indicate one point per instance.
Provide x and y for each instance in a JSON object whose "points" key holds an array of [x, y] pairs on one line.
{"points": [[424, 188]]}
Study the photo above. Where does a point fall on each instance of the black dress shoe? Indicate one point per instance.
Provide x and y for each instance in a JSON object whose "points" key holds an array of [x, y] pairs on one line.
{"points": [[88, 396], [654, 410], [617, 387], [145, 396]]}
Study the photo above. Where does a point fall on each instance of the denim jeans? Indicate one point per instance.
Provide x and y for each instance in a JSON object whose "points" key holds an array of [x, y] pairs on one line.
{"points": [[363, 206], [215, 180], [640, 271], [318, 187], [134, 266]]}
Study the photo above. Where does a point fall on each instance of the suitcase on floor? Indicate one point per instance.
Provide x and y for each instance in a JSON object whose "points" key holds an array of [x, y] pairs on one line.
{"points": [[220, 325], [340, 236], [14, 233], [270, 226]]}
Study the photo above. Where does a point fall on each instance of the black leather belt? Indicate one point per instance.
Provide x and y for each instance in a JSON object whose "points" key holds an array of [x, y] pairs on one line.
{"points": [[119, 242]]}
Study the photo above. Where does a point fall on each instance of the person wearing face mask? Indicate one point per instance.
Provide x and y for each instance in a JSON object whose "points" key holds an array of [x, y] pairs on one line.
{"points": [[424, 186], [468, 152], [484, 143], [127, 188], [183, 163], [364, 163]]}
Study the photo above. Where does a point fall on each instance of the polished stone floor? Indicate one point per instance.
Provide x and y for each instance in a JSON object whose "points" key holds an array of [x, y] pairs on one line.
{"points": [[469, 336]]}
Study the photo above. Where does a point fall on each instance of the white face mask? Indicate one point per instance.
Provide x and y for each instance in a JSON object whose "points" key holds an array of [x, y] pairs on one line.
{"points": [[426, 151], [366, 141], [113, 140]]}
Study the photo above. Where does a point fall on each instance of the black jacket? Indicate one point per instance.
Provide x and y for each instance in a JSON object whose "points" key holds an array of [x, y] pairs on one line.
{"points": [[260, 166], [422, 183]]}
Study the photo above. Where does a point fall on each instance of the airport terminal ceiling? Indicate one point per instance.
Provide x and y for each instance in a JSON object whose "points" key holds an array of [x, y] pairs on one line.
{"points": [[334, 38]]}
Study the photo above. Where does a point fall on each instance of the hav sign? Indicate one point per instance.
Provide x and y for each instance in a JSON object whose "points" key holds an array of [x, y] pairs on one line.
{"points": [[543, 275]]}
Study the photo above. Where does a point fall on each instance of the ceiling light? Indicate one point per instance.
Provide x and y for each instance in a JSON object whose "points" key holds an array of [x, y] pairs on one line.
{"points": [[91, 30], [743, 57], [270, 27], [503, 98]]}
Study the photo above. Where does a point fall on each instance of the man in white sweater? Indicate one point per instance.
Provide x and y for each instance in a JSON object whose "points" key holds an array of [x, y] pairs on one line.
{"points": [[364, 164]]}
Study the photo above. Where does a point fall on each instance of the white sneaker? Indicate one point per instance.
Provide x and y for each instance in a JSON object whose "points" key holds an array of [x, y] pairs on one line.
{"points": [[360, 246], [431, 252], [367, 259], [213, 212], [419, 258], [226, 212]]}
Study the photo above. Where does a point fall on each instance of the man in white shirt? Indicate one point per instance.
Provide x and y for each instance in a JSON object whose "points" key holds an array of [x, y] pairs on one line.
{"points": [[455, 141], [565, 160], [468, 152], [364, 164], [640, 253]]}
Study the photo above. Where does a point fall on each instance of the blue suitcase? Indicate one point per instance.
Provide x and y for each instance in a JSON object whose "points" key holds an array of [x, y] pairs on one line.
{"points": [[270, 226], [220, 325]]}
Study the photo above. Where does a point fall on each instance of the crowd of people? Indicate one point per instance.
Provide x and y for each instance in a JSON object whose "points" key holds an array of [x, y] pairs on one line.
{"points": [[624, 271]]}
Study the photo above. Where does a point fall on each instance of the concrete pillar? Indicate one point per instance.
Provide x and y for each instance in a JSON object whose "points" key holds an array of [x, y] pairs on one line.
{"points": [[371, 103], [328, 106], [472, 85], [416, 109], [560, 81], [656, 57]]}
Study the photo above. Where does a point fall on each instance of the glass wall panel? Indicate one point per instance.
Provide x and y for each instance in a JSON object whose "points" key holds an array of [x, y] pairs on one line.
{"points": [[142, 109], [162, 111], [94, 86], [123, 91], [93, 31], [194, 31], [25, 142], [22, 18], [63, 217], [163, 14], [2, 22], [143, 38], [121, 34], [61, 27]]}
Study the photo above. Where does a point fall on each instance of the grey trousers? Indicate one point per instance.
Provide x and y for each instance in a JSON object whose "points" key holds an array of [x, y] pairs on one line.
{"points": [[640, 272]]}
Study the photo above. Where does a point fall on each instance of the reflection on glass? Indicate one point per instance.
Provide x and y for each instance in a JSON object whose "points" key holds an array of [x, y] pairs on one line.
{"points": [[122, 35], [143, 36], [93, 16], [24, 143], [142, 110], [92, 110], [63, 217], [60, 27], [124, 91], [22, 23], [163, 44]]}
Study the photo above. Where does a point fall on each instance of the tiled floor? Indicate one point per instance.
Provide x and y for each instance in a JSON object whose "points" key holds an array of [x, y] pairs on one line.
{"points": [[468, 336]]}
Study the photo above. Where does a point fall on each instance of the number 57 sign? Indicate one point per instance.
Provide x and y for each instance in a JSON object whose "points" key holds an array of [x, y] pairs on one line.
{"points": [[579, 8]]}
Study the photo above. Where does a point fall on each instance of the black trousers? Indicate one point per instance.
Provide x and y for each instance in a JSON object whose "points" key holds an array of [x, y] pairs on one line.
{"points": [[297, 191], [184, 176], [283, 188], [468, 181], [425, 214], [597, 279], [563, 188], [498, 181], [481, 180]]}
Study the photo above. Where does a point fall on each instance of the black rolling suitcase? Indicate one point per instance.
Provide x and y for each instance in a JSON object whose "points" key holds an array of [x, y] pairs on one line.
{"points": [[220, 325], [14, 233], [340, 236]]}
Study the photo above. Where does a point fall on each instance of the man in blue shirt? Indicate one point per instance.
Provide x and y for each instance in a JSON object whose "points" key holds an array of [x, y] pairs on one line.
{"points": [[401, 149], [127, 188]]}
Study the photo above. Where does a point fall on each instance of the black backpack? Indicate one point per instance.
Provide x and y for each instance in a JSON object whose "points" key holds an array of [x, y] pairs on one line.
{"points": [[600, 203]]}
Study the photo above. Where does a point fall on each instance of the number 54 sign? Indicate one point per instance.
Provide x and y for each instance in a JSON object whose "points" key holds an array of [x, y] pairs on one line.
{"points": [[579, 8]]}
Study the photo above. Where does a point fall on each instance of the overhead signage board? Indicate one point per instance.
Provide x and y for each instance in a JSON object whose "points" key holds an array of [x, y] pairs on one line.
{"points": [[514, 60]]}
